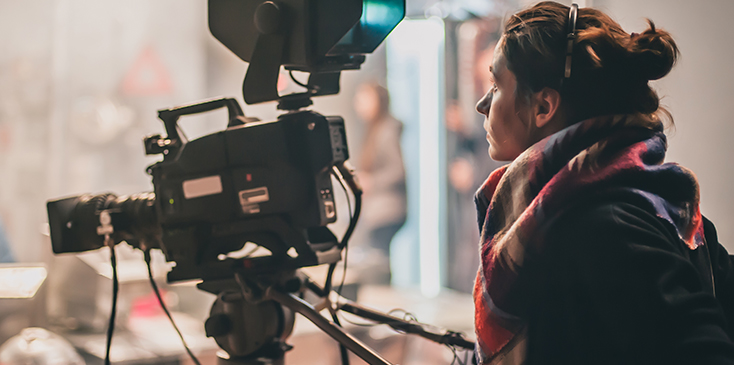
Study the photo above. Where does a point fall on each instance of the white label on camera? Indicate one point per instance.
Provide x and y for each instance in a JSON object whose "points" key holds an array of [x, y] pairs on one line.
{"points": [[204, 186], [254, 196]]}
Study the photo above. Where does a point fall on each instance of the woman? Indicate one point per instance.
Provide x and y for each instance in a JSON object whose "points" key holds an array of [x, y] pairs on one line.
{"points": [[593, 250], [382, 175]]}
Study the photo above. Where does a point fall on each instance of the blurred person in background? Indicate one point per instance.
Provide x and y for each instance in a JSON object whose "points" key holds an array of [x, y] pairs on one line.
{"points": [[382, 174], [593, 250]]}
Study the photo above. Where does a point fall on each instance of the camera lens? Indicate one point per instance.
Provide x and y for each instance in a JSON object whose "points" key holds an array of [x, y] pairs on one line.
{"points": [[73, 221]]}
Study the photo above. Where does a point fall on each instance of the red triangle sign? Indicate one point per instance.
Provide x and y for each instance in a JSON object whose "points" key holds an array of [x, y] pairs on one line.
{"points": [[147, 76]]}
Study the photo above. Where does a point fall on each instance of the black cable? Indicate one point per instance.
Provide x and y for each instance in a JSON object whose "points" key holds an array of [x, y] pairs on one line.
{"points": [[115, 290], [457, 359], [342, 348], [351, 220], [407, 316], [369, 324], [357, 193], [456, 356], [344, 272], [350, 229], [329, 276], [165, 309], [290, 72], [410, 317]]}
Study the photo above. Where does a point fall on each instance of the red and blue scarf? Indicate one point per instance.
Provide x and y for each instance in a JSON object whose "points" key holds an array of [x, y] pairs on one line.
{"points": [[518, 202]]}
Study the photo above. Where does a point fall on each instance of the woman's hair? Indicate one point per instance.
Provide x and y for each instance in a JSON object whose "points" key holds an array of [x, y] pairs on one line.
{"points": [[610, 68]]}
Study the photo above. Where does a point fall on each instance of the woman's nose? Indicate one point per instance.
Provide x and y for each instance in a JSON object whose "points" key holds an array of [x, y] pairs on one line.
{"points": [[484, 103]]}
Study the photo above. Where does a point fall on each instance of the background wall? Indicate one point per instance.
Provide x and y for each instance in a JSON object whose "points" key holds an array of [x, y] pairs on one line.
{"points": [[80, 82]]}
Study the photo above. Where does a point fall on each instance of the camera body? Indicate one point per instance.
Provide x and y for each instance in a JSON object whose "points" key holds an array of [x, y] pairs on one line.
{"points": [[263, 182], [252, 170], [268, 183]]}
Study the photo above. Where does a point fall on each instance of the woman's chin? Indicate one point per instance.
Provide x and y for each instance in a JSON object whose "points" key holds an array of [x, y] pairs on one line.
{"points": [[499, 156], [494, 154]]}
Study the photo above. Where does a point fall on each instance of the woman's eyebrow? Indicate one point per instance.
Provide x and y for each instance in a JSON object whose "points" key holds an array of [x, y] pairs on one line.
{"points": [[494, 75]]}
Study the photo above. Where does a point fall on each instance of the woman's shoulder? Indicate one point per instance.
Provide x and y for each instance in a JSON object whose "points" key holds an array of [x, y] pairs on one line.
{"points": [[613, 224]]}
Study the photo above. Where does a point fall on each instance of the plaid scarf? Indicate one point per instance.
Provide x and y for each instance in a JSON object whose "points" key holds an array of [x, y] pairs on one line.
{"points": [[516, 205]]}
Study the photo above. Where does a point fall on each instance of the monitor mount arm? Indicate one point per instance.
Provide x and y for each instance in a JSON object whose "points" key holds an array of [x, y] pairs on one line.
{"points": [[261, 79]]}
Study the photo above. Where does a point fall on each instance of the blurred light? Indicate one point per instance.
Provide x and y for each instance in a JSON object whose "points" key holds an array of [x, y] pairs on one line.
{"points": [[21, 282], [421, 41]]}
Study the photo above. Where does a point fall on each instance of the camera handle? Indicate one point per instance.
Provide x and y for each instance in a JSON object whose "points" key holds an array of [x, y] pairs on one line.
{"points": [[157, 145], [170, 116]]}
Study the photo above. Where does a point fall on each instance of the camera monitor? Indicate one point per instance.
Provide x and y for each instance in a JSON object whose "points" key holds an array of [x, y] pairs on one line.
{"points": [[317, 36]]}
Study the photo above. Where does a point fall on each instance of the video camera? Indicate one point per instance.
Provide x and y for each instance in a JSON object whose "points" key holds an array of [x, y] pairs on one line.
{"points": [[262, 182], [268, 183]]}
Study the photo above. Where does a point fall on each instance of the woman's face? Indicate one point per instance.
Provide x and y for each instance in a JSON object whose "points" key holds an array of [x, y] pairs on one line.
{"points": [[508, 135]]}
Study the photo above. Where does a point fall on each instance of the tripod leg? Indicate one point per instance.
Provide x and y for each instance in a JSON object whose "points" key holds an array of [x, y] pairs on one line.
{"points": [[399, 324], [300, 306]]}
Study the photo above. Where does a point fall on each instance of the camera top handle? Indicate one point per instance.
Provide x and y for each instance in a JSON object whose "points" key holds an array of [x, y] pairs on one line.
{"points": [[156, 145]]}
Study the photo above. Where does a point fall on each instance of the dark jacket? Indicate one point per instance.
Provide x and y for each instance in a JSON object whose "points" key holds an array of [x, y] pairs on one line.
{"points": [[618, 286]]}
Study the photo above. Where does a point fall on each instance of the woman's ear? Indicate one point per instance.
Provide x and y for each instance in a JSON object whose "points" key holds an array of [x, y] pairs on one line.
{"points": [[547, 106]]}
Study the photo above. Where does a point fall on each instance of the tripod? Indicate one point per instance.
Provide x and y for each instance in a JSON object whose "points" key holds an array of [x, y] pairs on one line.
{"points": [[265, 314]]}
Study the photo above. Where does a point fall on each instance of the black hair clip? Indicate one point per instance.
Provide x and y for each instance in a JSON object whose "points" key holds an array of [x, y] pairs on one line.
{"points": [[571, 37]]}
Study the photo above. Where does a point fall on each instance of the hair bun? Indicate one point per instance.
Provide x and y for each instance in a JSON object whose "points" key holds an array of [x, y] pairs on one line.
{"points": [[652, 53]]}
